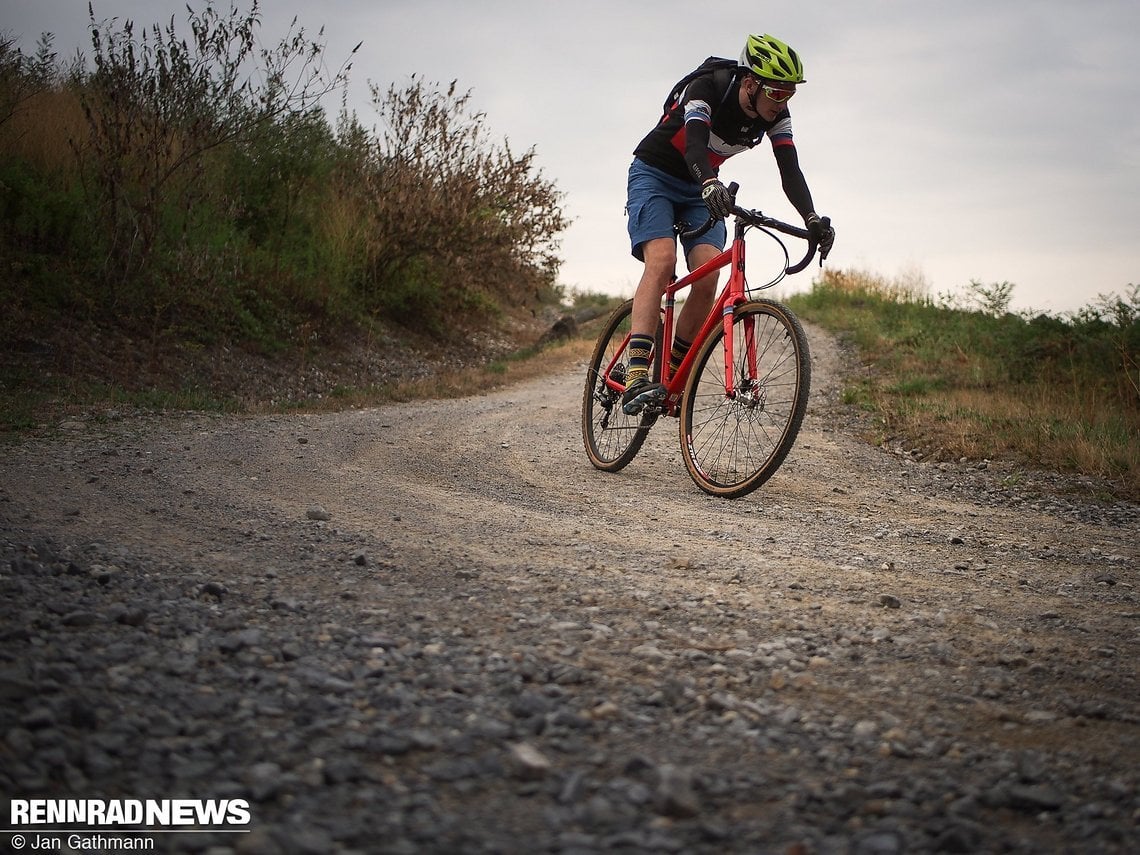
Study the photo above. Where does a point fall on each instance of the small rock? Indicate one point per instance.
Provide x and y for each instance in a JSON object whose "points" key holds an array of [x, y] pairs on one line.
{"points": [[79, 619], [264, 781], [878, 843], [1034, 798], [527, 762], [650, 652], [132, 616], [675, 796]]}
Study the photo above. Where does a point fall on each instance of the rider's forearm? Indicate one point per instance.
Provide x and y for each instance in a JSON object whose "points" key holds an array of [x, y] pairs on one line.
{"points": [[697, 151], [792, 179]]}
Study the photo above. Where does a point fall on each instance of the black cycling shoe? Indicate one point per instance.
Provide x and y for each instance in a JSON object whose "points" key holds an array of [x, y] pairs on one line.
{"points": [[640, 394]]}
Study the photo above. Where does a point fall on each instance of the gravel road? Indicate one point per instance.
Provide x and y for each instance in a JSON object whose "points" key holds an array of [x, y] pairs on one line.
{"points": [[433, 627]]}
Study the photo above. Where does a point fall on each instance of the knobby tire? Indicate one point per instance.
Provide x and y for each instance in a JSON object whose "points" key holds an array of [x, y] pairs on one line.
{"points": [[612, 438], [732, 446]]}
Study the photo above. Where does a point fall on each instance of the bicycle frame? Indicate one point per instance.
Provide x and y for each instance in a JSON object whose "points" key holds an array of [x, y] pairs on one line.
{"points": [[730, 297], [735, 429]]}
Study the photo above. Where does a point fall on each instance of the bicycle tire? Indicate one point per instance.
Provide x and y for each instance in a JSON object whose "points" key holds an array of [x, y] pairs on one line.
{"points": [[732, 446], [612, 438]]}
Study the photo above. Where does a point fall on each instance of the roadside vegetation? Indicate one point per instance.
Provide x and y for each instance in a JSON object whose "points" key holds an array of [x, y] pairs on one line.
{"points": [[179, 194], [962, 376], [180, 190]]}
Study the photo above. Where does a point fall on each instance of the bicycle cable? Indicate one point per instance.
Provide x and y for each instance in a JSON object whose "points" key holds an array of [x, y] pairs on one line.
{"points": [[748, 288]]}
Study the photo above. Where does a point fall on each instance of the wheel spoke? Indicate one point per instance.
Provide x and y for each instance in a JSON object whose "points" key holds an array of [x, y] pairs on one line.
{"points": [[732, 444], [612, 438]]}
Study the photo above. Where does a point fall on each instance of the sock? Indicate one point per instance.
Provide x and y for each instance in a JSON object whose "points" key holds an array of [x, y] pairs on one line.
{"points": [[677, 353], [640, 349]]}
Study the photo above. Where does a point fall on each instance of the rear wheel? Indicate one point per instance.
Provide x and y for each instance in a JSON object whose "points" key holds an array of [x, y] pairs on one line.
{"points": [[733, 444], [611, 437]]}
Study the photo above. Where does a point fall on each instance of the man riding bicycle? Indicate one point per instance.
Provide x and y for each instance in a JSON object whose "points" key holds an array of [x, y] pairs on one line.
{"points": [[719, 112]]}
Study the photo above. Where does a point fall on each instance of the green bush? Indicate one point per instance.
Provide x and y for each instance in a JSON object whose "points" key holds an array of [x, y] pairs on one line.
{"points": [[194, 189], [439, 197], [976, 379]]}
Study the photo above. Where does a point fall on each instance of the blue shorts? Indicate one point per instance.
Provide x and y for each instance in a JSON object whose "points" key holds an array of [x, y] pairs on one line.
{"points": [[655, 200]]}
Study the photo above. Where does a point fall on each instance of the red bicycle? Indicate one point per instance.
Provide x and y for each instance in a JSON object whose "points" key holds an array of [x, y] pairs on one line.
{"points": [[740, 392]]}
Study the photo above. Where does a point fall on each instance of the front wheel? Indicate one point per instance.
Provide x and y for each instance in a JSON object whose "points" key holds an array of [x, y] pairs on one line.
{"points": [[611, 437], [734, 442]]}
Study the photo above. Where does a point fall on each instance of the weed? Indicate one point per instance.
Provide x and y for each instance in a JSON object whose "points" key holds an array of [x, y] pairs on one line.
{"points": [[183, 193], [978, 381]]}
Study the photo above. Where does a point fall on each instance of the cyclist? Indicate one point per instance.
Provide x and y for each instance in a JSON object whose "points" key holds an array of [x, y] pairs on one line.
{"points": [[674, 178]]}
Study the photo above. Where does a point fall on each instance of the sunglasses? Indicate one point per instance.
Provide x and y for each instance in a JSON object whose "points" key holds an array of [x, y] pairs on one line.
{"points": [[777, 95]]}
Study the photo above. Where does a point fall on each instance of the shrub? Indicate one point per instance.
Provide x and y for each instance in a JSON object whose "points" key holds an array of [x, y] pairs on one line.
{"points": [[160, 109], [977, 380], [441, 199]]}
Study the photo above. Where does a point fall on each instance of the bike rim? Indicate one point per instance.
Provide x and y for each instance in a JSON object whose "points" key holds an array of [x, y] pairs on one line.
{"points": [[735, 443], [612, 438]]}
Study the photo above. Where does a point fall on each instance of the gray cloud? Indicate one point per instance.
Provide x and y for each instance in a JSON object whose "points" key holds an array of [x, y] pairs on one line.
{"points": [[966, 140]]}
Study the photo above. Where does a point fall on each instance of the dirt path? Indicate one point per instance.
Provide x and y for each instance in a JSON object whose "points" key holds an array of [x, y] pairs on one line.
{"points": [[866, 649]]}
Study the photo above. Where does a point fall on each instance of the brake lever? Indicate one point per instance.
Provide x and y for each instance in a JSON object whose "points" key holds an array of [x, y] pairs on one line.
{"points": [[826, 223]]}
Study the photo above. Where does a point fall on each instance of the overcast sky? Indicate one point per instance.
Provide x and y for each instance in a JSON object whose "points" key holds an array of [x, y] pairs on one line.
{"points": [[956, 141]]}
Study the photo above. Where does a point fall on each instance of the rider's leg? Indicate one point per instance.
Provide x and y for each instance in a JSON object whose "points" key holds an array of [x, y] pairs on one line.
{"points": [[660, 256], [697, 305], [655, 202], [660, 263]]}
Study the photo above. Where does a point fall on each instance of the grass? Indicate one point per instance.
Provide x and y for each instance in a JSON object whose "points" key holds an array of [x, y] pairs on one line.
{"points": [[28, 407], [959, 382], [38, 394], [953, 382], [528, 363]]}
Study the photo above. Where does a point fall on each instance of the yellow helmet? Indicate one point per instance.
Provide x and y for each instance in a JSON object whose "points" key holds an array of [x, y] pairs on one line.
{"points": [[768, 57]]}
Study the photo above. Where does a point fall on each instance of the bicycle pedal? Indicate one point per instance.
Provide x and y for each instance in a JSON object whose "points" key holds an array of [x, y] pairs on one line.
{"points": [[649, 400]]}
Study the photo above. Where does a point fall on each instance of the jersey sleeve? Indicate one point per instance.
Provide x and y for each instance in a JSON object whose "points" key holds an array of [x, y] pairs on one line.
{"points": [[781, 132], [792, 178], [698, 98], [696, 102]]}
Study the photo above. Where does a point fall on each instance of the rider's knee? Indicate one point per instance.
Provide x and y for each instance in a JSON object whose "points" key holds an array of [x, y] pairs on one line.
{"points": [[660, 266], [660, 254]]}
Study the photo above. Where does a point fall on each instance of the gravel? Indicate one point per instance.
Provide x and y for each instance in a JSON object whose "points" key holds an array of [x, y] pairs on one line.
{"points": [[432, 627]]}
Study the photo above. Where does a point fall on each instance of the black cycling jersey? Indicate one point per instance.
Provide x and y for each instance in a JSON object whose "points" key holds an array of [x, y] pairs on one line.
{"points": [[707, 126]]}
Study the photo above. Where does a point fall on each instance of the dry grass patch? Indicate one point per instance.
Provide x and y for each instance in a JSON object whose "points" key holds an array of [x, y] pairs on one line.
{"points": [[956, 381]]}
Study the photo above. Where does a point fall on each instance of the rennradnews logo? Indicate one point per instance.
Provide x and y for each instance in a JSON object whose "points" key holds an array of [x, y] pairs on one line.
{"points": [[132, 812]]}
